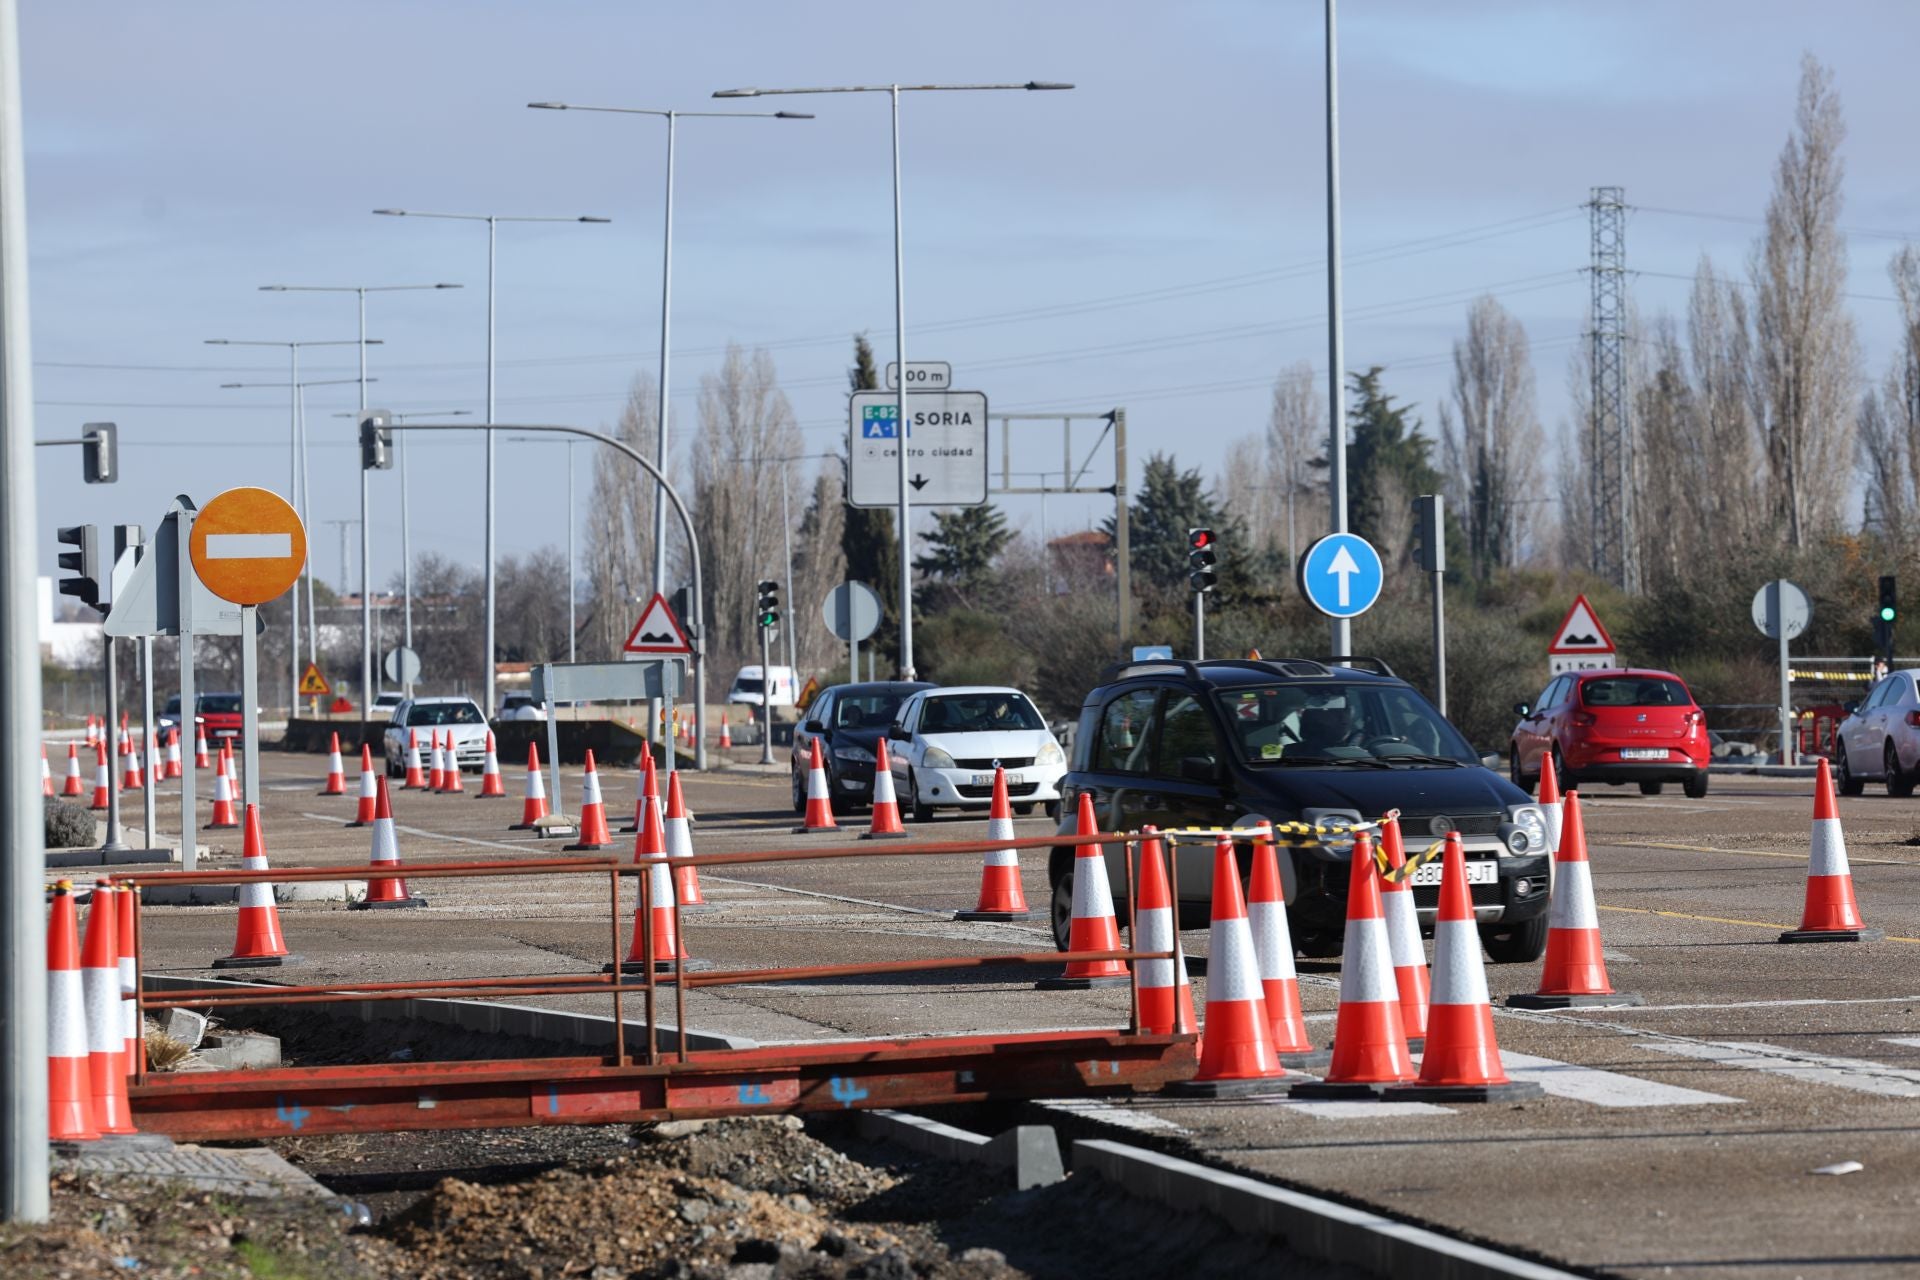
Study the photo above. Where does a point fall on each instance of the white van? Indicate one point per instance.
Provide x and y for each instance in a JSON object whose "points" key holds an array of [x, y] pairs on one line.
{"points": [[747, 685]]}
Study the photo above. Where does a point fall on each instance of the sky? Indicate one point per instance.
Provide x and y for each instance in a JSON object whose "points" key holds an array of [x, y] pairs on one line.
{"points": [[1153, 239]]}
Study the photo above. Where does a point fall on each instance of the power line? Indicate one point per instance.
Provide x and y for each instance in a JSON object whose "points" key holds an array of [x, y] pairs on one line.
{"points": [[1868, 232]]}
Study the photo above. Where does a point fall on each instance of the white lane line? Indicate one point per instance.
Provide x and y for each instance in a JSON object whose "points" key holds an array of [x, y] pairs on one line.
{"points": [[1601, 1088], [1742, 1004], [1911, 1042], [1118, 1116], [1360, 1110], [1858, 1074], [530, 850]]}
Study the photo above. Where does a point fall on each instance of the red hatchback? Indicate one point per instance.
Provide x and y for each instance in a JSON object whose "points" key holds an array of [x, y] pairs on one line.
{"points": [[1614, 726]]}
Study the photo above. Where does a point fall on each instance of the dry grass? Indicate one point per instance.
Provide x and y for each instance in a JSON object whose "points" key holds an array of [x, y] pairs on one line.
{"points": [[164, 1053]]}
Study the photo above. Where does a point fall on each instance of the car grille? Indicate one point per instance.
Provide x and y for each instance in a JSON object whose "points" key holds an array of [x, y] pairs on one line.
{"points": [[986, 792], [987, 762], [1418, 826]]}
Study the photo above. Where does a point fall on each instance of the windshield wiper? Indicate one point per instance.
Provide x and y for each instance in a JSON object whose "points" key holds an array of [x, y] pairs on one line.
{"points": [[1320, 761], [1417, 758]]}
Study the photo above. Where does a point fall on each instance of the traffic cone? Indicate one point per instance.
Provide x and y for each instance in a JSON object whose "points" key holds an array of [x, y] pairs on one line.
{"points": [[1549, 800], [490, 784], [225, 817], [819, 799], [336, 771], [200, 760], [726, 733], [679, 833], [451, 780], [666, 950], [93, 729], [1001, 897], [1166, 997], [1461, 1062], [1236, 1051], [129, 765], [646, 788], [1273, 950], [1403, 938], [257, 941], [387, 891], [46, 774], [1575, 974], [593, 813], [102, 780], [125, 899], [173, 753], [1369, 1046], [416, 779], [535, 806], [1830, 913], [885, 822], [106, 1025], [73, 785], [436, 768], [1093, 927], [69, 1083], [365, 811]]}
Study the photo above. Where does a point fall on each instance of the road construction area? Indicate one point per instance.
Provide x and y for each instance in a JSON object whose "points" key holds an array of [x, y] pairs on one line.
{"points": [[1756, 1116]]}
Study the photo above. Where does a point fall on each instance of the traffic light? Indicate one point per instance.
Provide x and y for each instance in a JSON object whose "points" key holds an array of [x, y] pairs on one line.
{"points": [[83, 562], [1430, 533], [769, 604], [100, 452], [1201, 573], [376, 440], [1883, 620]]}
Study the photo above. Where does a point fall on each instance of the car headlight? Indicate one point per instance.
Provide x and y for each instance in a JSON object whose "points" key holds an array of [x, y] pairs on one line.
{"points": [[1526, 829], [1050, 753], [935, 758], [855, 752], [1334, 845]]}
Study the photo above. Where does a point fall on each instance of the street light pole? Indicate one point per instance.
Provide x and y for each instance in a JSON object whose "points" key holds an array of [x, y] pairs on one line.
{"points": [[1336, 355], [901, 422], [492, 220]]}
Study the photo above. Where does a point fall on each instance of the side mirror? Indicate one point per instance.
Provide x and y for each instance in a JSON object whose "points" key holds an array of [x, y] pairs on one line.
{"points": [[1852, 707], [1199, 769], [1522, 710], [897, 734], [1491, 760], [814, 726]]}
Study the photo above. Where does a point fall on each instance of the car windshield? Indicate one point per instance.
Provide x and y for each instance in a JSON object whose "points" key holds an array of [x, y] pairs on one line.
{"points": [[444, 713], [979, 713], [1321, 723], [1634, 691], [219, 704], [173, 706], [865, 710], [744, 685]]}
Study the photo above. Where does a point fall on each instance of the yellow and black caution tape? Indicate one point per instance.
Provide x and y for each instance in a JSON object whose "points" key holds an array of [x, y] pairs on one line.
{"points": [[1301, 835], [1398, 875]]}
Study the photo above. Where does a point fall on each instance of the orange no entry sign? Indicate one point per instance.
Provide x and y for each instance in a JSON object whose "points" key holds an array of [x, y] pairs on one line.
{"points": [[248, 545]]}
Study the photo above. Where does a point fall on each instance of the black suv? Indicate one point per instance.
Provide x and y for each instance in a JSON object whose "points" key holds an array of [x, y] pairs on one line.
{"points": [[1238, 743], [849, 720]]}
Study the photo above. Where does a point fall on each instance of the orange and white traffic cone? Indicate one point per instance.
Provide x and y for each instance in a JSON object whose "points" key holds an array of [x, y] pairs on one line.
{"points": [[491, 788], [437, 767], [173, 754], [1830, 913], [535, 806], [387, 891], [1369, 1045], [225, 817], [200, 760], [1461, 1062], [1236, 1051], [1166, 997], [69, 1081], [819, 796], [73, 785], [726, 733], [416, 779], [1001, 895], [257, 941], [102, 780], [1403, 937], [885, 823], [1575, 974], [336, 771], [130, 779], [1093, 927], [126, 898], [365, 811], [593, 813], [93, 730], [106, 1025], [1549, 800], [679, 833], [451, 781], [1273, 950], [646, 789], [46, 774], [656, 939]]}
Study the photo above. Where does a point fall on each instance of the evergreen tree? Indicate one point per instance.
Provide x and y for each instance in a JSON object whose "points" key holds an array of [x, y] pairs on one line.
{"points": [[1169, 503], [964, 545], [872, 550], [1389, 463]]}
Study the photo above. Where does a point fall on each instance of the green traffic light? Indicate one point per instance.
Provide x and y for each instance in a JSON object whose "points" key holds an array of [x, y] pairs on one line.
{"points": [[1886, 613]]}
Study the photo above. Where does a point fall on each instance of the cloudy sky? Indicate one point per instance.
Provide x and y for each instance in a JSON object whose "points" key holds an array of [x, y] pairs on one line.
{"points": [[1152, 239]]}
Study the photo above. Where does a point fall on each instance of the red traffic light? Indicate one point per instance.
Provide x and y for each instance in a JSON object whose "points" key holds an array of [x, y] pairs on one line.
{"points": [[1200, 539]]}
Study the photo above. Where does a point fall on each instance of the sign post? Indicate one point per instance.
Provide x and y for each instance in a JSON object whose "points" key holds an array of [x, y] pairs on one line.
{"points": [[658, 634], [852, 613], [1581, 643], [1781, 610]]}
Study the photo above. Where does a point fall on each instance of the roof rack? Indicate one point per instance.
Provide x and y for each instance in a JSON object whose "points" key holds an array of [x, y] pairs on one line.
{"points": [[1376, 665], [1294, 667]]}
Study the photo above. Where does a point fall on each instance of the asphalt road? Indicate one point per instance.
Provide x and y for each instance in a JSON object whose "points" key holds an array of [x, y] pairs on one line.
{"points": [[1678, 1138]]}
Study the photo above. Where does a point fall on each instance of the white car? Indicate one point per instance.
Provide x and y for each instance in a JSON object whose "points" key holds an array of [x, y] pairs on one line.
{"points": [[945, 744], [428, 716], [1880, 739]]}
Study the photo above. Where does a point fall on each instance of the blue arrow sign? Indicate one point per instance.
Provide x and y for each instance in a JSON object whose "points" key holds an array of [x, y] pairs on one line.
{"points": [[1341, 576]]}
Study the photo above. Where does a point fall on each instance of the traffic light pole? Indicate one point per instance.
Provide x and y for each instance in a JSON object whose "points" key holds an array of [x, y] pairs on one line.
{"points": [[766, 696], [115, 841], [1199, 626]]}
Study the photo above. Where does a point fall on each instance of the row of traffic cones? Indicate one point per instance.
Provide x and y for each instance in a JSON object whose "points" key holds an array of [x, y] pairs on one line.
{"points": [[94, 1039], [884, 822]]}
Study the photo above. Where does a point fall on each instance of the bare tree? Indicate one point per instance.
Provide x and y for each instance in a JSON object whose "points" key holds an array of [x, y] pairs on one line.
{"points": [[1900, 389], [1490, 436], [1296, 435], [819, 565], [532, 606], [1670, 459], [1883, 446], [1246, 488], [1728, 500], [619, 559], [1806, 348]]}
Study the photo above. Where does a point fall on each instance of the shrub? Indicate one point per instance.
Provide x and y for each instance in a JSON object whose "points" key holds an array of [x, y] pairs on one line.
{"points": [[68, 825]]}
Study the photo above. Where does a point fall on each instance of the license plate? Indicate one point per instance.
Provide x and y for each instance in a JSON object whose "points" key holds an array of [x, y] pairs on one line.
{"points": [[1479, 871], [986, 779], [1643, 753]]}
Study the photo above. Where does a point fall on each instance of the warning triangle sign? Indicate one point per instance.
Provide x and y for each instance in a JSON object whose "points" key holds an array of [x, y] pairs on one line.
{"points": [[658, 632], [1580, 631], [313, 684]]}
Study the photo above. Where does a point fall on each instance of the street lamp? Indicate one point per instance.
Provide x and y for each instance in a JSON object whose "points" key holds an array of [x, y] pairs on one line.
{"points": [[296, 480], [893, 92], [366, 543], [492, 220]]}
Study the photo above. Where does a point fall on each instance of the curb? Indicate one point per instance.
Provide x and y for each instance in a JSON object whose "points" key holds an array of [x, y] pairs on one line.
{"points": [[216, 895], [1031, 1151]]}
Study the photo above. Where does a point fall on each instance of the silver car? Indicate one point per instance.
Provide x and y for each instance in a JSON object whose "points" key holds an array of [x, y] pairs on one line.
{"points": [[428, 716], [1879, 741]]}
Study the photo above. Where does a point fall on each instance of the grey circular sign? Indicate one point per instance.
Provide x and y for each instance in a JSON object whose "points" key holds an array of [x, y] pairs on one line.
{"points": [[1781, 603], [851, 611], [402, 665]]}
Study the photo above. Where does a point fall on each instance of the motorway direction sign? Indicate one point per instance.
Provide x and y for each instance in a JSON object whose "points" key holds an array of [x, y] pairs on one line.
{"points": [[1581, 642], [1340, 575], [402, 665], [922, 375], [851, 611], [658, 633], [1779, 604], [313, 684], [248, 546], [946, 449]]}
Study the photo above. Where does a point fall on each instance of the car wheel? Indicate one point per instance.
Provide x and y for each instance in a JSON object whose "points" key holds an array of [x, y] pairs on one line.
{"points": [[1513, 767], [1023, 810], [1899, 782], [1562, 774], [1320, 946], [1062, 909], [799, 794], [1696, 786], [1652, 788], [1843, 776], [921, 812], [1516, 944], [839, 804]]}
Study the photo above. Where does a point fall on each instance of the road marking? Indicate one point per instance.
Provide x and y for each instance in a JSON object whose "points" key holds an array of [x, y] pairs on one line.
{"points": [[432, 835], [1911, 1042], [1858, 1074], [1749, 853], [1752, 924], [1360, 1110], [830, 897], [1601, 1088], [1752, 1004]]}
